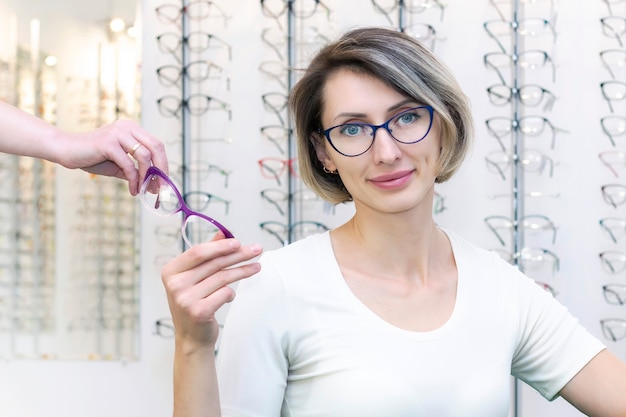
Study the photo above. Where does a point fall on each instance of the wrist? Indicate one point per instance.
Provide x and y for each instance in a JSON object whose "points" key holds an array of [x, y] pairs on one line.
{"points": [[189, 347]]}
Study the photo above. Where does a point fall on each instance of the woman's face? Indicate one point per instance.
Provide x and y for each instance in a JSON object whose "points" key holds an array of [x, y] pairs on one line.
{"points": [[390, 177]]}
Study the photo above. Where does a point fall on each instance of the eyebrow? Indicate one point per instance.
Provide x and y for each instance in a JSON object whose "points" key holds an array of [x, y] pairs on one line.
{"points": [[389, 109]]}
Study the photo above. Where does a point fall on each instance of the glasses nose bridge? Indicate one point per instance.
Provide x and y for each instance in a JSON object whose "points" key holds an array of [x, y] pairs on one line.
{"points": [[384, 126], [389, 148]]}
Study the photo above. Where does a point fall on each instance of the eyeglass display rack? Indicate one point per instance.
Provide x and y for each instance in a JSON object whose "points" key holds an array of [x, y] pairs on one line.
{"points": [[65, 310], [194, 20], [520, 243], [27, 270], [612, 85], [300, 27]]}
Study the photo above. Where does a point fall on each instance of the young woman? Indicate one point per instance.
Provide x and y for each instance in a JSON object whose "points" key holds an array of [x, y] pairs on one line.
{"points": [[388, 314], [104, 151]]}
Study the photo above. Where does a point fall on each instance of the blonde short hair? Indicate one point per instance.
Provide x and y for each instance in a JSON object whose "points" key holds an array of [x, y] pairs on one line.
{"points": [[403, 63]]}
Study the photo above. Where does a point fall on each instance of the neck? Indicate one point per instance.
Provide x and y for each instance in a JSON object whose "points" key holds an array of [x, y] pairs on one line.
{"points": [[404, 245]]}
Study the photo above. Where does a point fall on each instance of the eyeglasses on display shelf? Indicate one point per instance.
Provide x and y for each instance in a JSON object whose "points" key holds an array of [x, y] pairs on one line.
{"points": [[276, 103], [164, 327], [201, 200], [196, 42], [531, 223], [614, 227], [421, 6], [613, 329], [196, 71], [533, 259], [439, 203], [614, 27], [528, 27], [529, 126], [161, 197], [425, 33], [195, 10], [614, 60], [413, 7], [201, 170], [527, 60], [613, 261], [275, 39], [504, 10], [613, 91], [167, 235], [280, 199], [277, 71], [610, 4], [530, 95], [302, 9], [614, 194], [615, 161], [614, 294], [613, 127], [285, 233], [197, 104], [274, 168], [278, 135], [531, 161]]}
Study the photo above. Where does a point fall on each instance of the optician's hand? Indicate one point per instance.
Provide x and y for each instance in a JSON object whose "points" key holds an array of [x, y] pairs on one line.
{"points": [[197, 285], [104, 151], [122, 149]]}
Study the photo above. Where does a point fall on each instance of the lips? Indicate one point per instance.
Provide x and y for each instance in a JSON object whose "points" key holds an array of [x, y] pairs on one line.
{"points": [[393, 180]]}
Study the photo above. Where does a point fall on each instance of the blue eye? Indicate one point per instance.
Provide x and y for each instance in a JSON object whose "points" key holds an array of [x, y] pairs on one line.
{"points": [[351, 130], [406, 118]]}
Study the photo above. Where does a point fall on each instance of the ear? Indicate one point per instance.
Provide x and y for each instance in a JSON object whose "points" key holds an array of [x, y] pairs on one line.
{"points": [[319, 143]]}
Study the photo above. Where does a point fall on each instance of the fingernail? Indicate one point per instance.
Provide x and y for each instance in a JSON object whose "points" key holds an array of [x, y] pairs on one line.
{"points": [[256, 248]]}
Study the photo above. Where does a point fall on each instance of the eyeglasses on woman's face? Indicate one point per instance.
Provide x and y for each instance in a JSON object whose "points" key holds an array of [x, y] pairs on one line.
{"points": [[159, 195], [407, 127]]}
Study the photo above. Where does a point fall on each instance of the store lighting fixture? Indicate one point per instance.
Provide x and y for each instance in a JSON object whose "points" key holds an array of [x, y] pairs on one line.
{"points": [[132, 31], [50, 60], [117, 25]]}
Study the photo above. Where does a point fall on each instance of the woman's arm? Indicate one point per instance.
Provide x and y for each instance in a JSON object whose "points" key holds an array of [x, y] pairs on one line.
{"points": [[104, 151], [197, 285], [599, 389]]}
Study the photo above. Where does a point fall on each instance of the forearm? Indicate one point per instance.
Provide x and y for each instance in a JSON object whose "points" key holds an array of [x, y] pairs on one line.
{"points": [[21, 133], [195, 382]]}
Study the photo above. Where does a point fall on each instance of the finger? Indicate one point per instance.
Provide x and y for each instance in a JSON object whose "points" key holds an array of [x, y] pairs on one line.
{"points": [[153, 152], [210, 284], [207, 307], [202, 300], [127, 168], [209, 257]]}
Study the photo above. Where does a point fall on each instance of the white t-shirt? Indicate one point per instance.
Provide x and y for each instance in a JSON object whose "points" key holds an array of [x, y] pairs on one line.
{"points": [[297, 343]]}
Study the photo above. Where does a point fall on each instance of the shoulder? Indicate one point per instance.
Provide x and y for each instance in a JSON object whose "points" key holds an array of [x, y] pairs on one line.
{"points": [[468, 254], [294, 265], [487, 272], [308, 252]]}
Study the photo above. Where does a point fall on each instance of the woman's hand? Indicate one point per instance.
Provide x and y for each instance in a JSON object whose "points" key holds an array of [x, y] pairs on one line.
{"points": [[112, 151], [104, 151], [197, 285]]}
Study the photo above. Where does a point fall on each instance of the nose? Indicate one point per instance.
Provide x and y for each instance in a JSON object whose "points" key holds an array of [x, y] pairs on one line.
{"points": [[385, 148]]}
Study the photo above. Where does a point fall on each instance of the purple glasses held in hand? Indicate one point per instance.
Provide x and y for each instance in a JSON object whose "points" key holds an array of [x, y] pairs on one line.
{"points": [[159, 195]]}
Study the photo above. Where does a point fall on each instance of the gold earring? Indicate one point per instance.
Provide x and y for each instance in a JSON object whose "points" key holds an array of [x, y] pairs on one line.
{"points": [[328, 171]]}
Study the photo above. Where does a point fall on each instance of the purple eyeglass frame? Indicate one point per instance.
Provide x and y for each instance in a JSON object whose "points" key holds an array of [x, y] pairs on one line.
{"points": [[187, 212]]}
